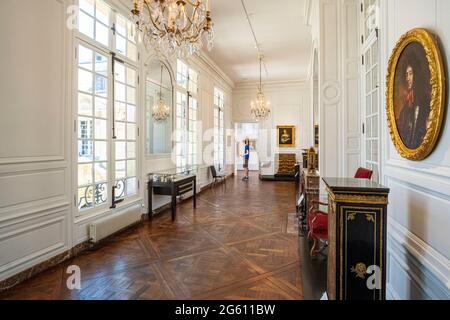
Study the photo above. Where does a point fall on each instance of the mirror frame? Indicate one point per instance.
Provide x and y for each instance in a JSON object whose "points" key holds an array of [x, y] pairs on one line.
{"points": [[168, 66]]}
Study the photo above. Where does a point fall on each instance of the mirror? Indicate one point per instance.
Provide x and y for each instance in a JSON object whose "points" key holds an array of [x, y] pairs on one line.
{"points": [[158, 84]]}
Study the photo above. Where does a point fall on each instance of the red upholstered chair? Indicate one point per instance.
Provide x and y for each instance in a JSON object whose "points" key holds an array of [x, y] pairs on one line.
{"points": [[318, 226], [318, 220], [363, 173]]}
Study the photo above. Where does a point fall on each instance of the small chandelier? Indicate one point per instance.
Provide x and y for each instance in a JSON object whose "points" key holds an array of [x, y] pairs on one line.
{"points": [[260, 108], [174, 26], [161, 112]]}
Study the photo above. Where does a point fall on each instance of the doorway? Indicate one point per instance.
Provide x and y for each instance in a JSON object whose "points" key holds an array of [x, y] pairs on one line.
{"points": [[247, 130]]}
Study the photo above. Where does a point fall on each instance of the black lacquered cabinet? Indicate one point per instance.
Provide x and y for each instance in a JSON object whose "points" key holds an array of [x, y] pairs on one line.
{"points": [[357, 235]]}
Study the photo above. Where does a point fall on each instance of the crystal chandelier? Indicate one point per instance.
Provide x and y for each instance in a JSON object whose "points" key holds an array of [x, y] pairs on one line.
{"points": [[161, 112], [174, 26], [260, 108]]}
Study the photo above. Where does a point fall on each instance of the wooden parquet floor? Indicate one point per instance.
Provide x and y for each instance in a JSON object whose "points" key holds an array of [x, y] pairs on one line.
{"points": [[236, 245]]}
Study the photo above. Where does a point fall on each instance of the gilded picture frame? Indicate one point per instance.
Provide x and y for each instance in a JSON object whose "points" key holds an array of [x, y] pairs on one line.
{"points": [[286, 136], [415, 95]]}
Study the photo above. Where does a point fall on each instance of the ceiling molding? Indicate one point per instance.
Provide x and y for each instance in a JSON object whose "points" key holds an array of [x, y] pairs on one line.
{"points": [[268, 85], [308, 12], [203, 57]]}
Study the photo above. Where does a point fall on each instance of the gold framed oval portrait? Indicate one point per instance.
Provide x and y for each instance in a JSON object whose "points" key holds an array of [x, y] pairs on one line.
{"points": [[415, 94]]}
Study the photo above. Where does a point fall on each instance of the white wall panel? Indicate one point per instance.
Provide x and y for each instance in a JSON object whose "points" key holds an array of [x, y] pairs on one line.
{"points": [[32, 82], [35, 217], [28, 187]]}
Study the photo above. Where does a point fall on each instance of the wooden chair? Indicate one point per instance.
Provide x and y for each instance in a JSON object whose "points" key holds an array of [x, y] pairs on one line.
{"points": [[217, 177]]}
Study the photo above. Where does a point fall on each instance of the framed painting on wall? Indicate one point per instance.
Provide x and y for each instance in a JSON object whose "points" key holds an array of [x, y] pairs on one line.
{"points": [[415, 94], [286, 136]]}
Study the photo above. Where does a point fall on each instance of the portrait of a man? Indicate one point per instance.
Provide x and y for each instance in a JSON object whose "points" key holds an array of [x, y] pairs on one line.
{"points": [[286, 136], [412, 96]]}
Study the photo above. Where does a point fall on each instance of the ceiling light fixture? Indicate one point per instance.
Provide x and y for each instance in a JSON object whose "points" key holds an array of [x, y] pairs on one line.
{"points": [[260, 108], [174, 26]]}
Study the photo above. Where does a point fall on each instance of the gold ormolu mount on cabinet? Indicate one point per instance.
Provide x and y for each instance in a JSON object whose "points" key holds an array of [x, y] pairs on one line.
{"points": [[312, 160]]}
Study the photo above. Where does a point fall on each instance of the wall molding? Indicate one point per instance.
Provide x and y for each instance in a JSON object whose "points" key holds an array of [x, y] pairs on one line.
{"points": [[435, 185], [425, 266], [268, 85], [46, 209]]}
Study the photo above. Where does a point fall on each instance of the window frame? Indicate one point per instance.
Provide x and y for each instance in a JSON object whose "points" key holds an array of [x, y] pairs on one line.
{"points": [[187, 133], [370, 38], [219, 128], [111, 54]]}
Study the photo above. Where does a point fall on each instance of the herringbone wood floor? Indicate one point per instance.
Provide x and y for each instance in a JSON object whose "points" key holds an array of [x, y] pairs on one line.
{"points": [[235, 245]]}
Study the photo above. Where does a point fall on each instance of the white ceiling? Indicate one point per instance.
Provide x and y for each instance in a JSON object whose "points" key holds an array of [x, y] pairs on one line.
{"points": [[280, 29]]}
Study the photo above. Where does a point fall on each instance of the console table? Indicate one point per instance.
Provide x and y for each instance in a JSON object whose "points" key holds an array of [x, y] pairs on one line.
{"points": [[173, 185], [357, 236]]}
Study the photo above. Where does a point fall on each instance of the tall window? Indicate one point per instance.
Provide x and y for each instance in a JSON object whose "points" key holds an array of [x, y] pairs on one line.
{"points": [[106, 95], [371, 87], [186, 117], [219, 129]]}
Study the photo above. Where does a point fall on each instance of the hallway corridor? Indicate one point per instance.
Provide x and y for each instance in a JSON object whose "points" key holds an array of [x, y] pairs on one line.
{"points": [[238, 244]]}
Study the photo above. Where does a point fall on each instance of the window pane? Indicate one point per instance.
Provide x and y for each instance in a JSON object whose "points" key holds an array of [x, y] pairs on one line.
{"points": [[101, 108], [121, 25], [101, 193], [131, 95], [131, 186], [131, 150], [87, 6], [131, 113], [120, 92], [101, 172], [119, 70], [84, 104], [101, 86], [120, 169], [131, 168], [101, 151], [100, 129], [131, 77], [102, 12], [85, 128], [85, 151], [85, 57], [121, 44], [120, 131], [84, 174], [121, 153], [85, 198], [131, 131], [120, 189], [85, 81], [121, 112], [102, 33], [86, 24], [101, 64]]}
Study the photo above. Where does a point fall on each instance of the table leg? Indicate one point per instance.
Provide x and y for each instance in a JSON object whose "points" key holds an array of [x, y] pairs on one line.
{"points": [[174, 203], [195, 193], [150, 199]]}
